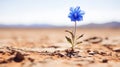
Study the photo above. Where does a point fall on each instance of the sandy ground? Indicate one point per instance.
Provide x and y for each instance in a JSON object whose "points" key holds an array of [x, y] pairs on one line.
{"points": [[49, 48]]}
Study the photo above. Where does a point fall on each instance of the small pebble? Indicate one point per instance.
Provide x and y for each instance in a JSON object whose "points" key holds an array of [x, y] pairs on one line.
{"points": [[18, 57], [92, 53], [104, 61], [117, 50]]}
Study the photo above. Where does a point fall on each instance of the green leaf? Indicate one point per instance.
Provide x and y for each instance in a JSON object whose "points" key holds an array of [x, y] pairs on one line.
{"points": [[70, 33], [80, 36], [79, 42], [68, 39]]}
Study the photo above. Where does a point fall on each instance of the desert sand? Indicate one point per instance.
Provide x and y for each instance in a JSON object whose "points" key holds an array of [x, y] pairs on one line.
{"points": [[47, 47]]}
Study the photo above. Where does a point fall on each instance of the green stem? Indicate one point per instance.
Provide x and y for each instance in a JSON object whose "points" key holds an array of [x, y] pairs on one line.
{"points": [[75, 34], [74, 39]]}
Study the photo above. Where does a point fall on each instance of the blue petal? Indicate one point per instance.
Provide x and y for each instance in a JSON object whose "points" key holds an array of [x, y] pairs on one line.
{"points": [[82, 12], [77, 8], [71, 9]]}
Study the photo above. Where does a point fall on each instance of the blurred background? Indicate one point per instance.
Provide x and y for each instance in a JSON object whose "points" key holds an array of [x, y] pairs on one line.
{"points": [[49, 13]]}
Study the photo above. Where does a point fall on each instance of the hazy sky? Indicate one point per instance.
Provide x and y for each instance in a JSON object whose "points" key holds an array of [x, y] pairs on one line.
{"points": [[56, 11]]}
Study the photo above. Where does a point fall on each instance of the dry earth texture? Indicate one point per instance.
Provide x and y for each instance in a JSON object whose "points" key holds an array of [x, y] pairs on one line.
{"points": [[48, 48]]}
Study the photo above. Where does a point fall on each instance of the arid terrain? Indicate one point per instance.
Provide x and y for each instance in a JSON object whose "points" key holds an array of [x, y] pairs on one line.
{"points": [[47, 47]]}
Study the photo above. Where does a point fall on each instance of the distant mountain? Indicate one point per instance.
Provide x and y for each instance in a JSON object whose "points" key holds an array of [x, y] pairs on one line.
{"points": [[104, 25], [27, 26], [91, 25]]}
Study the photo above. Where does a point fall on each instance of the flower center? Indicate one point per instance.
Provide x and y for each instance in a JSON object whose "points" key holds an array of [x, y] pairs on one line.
{"points": [[75, 15]]}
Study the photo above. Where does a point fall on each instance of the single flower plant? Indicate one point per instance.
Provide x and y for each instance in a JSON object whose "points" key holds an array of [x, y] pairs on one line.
{"points": [[76, 14]]}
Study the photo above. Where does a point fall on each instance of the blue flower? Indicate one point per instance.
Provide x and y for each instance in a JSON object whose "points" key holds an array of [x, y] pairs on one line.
{"points": [[76, 14]]}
